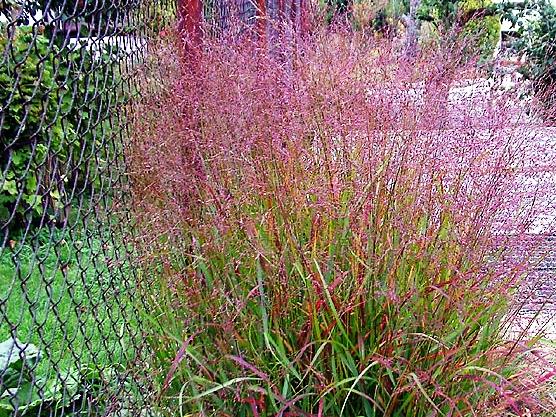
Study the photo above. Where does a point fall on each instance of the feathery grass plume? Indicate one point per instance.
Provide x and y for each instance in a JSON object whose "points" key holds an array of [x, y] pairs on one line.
{"points": [[330, 231]]}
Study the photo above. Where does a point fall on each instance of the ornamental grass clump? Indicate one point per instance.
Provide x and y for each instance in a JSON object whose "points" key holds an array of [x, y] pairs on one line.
{"points": [[329, 230]]}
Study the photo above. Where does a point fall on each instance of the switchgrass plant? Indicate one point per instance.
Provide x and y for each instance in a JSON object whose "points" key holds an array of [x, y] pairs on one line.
{"points": [[329, 230]]}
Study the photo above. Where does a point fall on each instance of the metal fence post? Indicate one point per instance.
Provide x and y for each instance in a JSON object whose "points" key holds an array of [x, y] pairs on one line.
{"points": [[304, 17], [261, 20], [190, 14]]}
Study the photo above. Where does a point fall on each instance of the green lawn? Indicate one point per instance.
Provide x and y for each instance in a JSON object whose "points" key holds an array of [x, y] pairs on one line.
{"points": [[63, 293]]}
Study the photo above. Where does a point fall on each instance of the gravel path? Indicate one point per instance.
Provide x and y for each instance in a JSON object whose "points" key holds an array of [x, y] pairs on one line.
{"points": [[538, 294]]}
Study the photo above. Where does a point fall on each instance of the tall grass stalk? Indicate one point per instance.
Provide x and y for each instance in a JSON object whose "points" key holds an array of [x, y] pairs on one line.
{"points": [[330, 231]]}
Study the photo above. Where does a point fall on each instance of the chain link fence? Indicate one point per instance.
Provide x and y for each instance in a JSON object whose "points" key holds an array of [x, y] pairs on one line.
{"points": [[72, 328], [71, 340]]}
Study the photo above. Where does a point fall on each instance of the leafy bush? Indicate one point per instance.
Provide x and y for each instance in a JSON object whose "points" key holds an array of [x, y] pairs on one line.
{"points": [[161, 17], [486, 33], [535, 22], [334, 235], [54, 102], [475, 19]]}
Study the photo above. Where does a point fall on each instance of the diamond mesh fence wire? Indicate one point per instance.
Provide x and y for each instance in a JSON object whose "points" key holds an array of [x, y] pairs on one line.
{"points": [[72, 328], [70, 323], [222, 15]]}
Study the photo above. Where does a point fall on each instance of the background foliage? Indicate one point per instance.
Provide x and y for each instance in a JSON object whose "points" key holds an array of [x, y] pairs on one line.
{"points": [[535, 24], [52, 122]]}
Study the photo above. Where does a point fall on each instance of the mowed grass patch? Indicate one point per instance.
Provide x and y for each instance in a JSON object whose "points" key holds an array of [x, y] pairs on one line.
{"points": [[60, 291]]}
